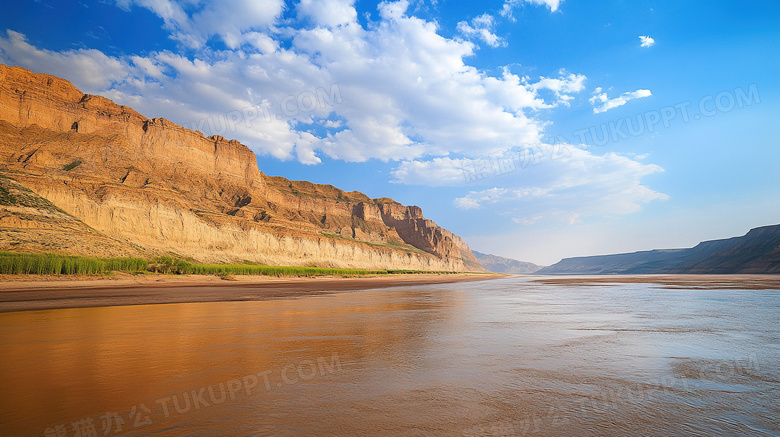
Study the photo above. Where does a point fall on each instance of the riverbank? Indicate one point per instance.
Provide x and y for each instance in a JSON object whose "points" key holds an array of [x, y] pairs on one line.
{"points": [[40, 292], [700, 282]]}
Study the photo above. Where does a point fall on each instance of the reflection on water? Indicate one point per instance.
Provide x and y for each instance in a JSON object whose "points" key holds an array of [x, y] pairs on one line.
{"points": [[502, 357]]}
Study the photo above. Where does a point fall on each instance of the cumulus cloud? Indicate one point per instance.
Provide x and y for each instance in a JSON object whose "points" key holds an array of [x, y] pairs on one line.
{"points": [[552, 4], [602, 103], [481, 28], [563, 87], [510, 5], [450, 171], [435, 172], [405, 91], [581, 185], [559, 182], [328, 13], [318, 83], [91, 70], [646, 41], [193, 23], [476, 199]]}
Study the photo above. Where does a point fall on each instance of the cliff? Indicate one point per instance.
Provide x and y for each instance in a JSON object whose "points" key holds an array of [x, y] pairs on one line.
{"points": [[758, 251], [148, 186]]}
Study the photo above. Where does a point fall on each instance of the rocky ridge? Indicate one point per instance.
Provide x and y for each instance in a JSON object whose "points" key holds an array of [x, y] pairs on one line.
{"points": [[500, 264], [150, 186], [757, 252]]}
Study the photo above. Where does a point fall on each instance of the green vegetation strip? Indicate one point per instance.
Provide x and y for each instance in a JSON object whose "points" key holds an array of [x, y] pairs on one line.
{"points": [[72, 165], [53, 264]]}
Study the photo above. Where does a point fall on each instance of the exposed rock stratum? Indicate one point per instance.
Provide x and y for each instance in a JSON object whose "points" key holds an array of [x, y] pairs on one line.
{"points": [[80, 174]]}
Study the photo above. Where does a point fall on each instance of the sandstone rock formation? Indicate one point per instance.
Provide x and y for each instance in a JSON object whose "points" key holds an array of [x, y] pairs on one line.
{"points": [[149, 186]]}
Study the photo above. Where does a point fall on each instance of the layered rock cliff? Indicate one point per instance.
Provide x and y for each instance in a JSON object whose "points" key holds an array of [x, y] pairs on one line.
{"points": [[150, 186]]}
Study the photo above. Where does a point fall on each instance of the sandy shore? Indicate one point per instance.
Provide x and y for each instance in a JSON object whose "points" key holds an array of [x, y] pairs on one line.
{"points": [[704, 282], [29, 292]]}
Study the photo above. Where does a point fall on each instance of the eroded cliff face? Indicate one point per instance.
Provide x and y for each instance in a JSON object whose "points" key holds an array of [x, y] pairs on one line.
{"points": [[154, 187]]}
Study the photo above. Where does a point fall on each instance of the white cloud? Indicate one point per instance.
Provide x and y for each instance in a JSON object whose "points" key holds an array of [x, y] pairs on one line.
{"points": [[90, 70], [405, 93], [449, 171], [229, 20], [328, 13], [510, 5], [566, 188], [434, 172], [390, 10], [476, 199], [526, 221], [552, 4], [148, 67], [563, 87], [602, 103], [646, 41], [262, 42], [481, 28]]}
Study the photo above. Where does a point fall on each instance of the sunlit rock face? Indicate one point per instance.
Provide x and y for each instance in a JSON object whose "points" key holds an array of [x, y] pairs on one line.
{"points": [[133, 185]]}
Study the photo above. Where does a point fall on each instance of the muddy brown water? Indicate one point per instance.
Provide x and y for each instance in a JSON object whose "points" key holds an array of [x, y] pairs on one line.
{"points": [[492, 358]]}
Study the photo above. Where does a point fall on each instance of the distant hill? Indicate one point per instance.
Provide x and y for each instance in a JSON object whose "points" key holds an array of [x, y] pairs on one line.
{"points": [[758, 251], [499, 264]]}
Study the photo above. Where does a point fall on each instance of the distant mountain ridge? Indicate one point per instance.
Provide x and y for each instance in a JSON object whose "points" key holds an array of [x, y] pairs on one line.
{"points": [[758, 251], [499, 264]]}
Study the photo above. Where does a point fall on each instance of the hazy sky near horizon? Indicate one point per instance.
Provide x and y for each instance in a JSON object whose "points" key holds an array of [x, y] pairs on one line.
{"points": [[535, 129]]}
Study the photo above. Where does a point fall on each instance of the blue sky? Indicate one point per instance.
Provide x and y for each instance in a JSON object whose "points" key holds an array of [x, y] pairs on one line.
{"points": [[535, 129]]}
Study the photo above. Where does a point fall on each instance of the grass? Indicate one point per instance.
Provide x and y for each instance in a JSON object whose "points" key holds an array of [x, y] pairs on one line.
{"points": [[53, 264], [12, 193], [243, 269], [6, 198], [72, 165]]}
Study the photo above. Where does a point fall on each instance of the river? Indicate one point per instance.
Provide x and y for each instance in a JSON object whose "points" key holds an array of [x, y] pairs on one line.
{"points": [[501, 357]]}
